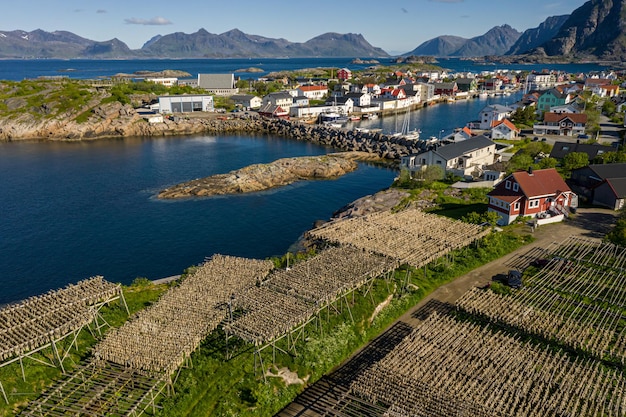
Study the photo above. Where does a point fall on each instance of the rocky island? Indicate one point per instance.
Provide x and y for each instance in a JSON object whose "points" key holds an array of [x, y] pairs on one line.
{"points": [[261, 177]]}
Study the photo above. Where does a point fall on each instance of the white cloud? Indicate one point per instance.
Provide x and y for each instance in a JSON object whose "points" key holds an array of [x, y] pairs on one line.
{"points": [[155, 21]]}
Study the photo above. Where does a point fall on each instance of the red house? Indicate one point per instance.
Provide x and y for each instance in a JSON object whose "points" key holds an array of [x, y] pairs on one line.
{"points": [[539, 194], [344, 74]]}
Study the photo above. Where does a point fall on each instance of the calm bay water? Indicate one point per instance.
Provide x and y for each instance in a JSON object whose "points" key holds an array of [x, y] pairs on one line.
{"points": [[73, 210]]}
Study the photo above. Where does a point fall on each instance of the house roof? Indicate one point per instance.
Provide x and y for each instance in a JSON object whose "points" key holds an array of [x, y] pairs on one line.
{"points": [[221, 81], [505, 122], [242, 97], [270, 108], [457, 149], [558, 117], [446, 86], [312, 88], [605, 171], [618, 186], [560, 149], [540, 182], [555, 92], [279, 95]]}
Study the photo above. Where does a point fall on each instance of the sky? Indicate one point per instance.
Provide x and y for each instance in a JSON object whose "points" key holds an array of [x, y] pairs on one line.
{"points": [[395, 26]]}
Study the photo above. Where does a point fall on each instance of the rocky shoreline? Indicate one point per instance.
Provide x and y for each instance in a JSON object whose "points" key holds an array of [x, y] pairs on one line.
{"points": [[118, 121], [261, 177]]}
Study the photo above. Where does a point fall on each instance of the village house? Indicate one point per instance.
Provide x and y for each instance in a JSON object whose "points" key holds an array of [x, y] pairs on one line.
{"points": [[539, 81], [446, 89], [461, 134], [167, 82], [562, 124], [467, 85], [313, 92], [552, 97], [279, 98], [504, 129], [218, 84], [360, 99], [493, 113], [571, 107], [541, 194], [273, 111], [465, 158], [346, 103], [601, 184], [593, 150], [344, 74], [247, 101]]}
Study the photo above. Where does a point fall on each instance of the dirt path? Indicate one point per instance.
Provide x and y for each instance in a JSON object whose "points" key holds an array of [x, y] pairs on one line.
{"points": [[330, 391]]}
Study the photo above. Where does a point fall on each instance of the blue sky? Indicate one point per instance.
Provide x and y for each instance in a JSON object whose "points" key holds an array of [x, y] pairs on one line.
{"points": [[395, 26]]}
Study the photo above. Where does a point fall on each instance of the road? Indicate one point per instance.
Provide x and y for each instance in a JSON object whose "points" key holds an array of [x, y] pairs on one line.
{"points": [[330, 391]]}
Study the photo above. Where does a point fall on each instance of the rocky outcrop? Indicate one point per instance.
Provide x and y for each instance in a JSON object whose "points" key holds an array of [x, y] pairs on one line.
{"points": [[261, 177]]}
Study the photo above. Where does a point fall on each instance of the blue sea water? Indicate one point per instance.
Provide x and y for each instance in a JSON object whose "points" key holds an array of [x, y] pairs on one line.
{"points": [[17, 69], [73, 210]]}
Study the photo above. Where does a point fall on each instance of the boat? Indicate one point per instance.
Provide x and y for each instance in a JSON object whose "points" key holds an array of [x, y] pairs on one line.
{"points": [[355, 118], [335, 118], [405, 133], [370, 116]]}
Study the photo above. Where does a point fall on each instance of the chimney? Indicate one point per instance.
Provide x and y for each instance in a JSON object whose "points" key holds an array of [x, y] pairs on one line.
{"points": [[530, 170]]}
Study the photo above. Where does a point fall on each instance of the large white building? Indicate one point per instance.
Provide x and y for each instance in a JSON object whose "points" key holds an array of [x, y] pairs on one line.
{"points": [[185, 103]]}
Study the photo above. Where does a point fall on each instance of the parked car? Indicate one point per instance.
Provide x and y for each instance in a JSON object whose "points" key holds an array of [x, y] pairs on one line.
{"points": [[583, 136]]}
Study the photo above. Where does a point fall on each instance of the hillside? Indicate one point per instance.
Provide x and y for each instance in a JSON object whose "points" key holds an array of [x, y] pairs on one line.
{"points": [[596, 30], [532, 38]]}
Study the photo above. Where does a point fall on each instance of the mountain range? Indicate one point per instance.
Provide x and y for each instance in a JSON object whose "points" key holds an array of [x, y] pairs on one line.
{"points": [[201, 44], [595, 30]]}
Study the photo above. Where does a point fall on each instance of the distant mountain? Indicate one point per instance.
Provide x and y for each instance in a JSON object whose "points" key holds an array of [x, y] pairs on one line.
{"points": [[532, 38], [235, 43], [201, 44], [445, 45], [41, 44], [597, 29], [496, 41]]}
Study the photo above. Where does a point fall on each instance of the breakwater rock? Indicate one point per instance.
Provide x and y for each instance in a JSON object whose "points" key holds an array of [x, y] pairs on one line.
{"points": [[260, 177], [384, 146]]}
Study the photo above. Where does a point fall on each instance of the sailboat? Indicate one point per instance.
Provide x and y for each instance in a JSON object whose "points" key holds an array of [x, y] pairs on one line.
{"points": [[404, 131]]}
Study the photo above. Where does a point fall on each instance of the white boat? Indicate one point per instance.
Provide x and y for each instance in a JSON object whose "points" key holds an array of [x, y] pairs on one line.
{"points": [[405, 133], [335, 118], [370, 116]]}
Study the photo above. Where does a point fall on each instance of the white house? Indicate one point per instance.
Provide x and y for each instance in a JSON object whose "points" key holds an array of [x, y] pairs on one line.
{"points": [[247, 101], [168, 82], [360, 99], [280, 98], [185, 103], [464, 158], [493, 113], [504, 129], [313, 92]]}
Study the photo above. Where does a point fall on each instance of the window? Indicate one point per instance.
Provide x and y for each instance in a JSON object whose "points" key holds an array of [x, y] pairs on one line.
{"points": [[515, 186], [517, 206], [507, 185], [533, 203]]}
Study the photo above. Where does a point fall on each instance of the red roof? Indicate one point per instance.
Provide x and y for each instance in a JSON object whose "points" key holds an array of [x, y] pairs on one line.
{"points": [[557, 117], [542, 182], [313, 87], [505, 122]]}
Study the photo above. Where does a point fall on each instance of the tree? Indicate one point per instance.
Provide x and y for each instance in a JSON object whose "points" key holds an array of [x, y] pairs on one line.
{"points": [[575, 160], [547, 163], [618, 234], [433, 173], [520, 161]]}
